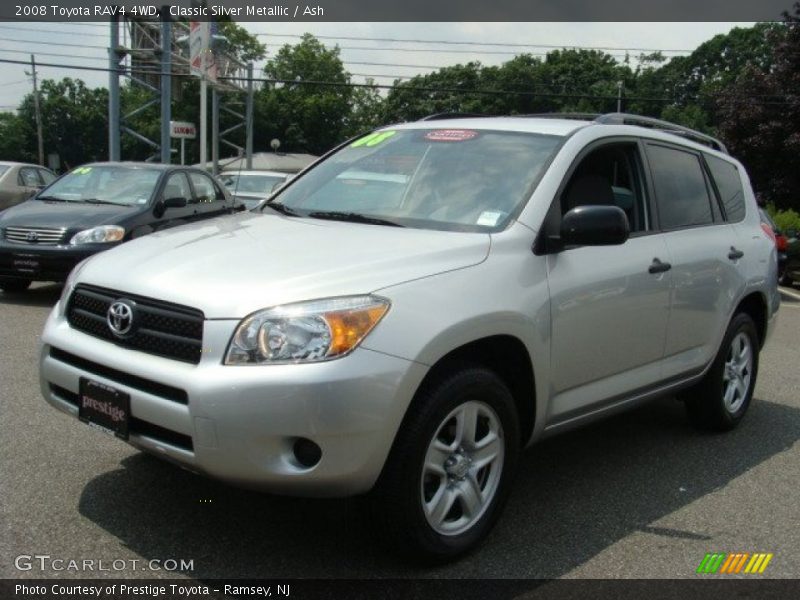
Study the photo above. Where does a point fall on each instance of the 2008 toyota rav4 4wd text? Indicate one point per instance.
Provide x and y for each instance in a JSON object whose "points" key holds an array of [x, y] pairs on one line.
{"points": [[424, 302]]}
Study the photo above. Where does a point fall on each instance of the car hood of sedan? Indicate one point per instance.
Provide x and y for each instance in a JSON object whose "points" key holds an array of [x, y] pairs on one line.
{"points": [[230, 267], [70, 215]]}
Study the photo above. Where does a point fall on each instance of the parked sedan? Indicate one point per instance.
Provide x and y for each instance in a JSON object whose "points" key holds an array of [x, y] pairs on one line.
{"points": [[781, 245], [252, 187], [791, 271], [96, 207], [20, 181]]}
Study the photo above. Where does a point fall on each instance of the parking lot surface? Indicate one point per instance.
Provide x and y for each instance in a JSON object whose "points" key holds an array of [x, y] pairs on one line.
{"points": [[636, 496]]}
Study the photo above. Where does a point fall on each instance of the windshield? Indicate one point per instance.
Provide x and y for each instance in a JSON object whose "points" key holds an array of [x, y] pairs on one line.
{"points": [[449, 179], [255, 184], [122, 185], [3, 169]]}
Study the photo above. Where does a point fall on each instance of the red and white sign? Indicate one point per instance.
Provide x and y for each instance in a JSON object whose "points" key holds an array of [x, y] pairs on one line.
{"points": [[450, 135], [182, 130]]}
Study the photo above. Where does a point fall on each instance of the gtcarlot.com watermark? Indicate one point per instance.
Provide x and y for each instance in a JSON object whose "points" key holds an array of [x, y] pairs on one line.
{"points": [[45, 562]]}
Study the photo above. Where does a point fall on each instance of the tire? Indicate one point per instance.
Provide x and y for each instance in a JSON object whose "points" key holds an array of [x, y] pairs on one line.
{"points": [[784, 279], [436, 463], [721, 399], [11, 285]]}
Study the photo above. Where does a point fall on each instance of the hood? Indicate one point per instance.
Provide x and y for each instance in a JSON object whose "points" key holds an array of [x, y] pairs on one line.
{"points": [[72, 215], [232, 266]]}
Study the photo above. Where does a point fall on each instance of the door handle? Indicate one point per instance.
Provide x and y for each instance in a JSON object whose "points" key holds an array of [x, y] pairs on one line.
{"points": [[659, 267], [735, 254]]}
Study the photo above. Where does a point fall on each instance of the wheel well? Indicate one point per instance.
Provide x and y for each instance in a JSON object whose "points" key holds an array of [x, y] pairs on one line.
{"points": [[509, 359], [755, 306]]}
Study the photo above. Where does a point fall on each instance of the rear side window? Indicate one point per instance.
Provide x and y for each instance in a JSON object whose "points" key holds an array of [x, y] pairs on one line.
{"points": [[680, 186], [729, 184], [28, 177]]}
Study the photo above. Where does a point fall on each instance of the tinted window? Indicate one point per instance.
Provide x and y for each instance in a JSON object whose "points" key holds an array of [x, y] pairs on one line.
{"points": [[729, 184], [610, 176], [28, 177], [680, 186], [177, 187]]}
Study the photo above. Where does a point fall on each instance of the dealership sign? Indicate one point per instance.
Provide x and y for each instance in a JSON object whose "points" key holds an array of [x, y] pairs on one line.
{"points": [[182, 130]]}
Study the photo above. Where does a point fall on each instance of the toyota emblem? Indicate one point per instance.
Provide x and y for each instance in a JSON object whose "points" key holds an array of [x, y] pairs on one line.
{"points": [[32, 237], [120, 318]]}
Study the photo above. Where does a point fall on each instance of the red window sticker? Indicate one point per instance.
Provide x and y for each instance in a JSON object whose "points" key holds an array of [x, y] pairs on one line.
{"points": [[450, 135]]}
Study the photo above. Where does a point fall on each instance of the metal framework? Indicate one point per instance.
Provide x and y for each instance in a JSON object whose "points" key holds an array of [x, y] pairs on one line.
{"points": [[152, 55]]}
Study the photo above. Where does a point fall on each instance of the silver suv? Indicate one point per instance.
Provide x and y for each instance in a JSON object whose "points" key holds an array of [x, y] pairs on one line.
{"points": [[420, 305]]}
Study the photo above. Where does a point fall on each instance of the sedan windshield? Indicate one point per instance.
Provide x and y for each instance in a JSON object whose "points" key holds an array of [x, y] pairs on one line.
{"points": [[448, 179], [123, 185]]}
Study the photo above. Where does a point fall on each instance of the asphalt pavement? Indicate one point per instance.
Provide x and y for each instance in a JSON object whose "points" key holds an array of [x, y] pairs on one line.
{"points": [[639, 495]]}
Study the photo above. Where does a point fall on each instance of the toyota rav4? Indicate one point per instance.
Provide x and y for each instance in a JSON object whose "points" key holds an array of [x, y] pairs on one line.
{"points": [[420, 305]]}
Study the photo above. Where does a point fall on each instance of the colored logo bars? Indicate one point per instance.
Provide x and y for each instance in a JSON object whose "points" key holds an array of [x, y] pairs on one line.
{"points": [[737, 562]]}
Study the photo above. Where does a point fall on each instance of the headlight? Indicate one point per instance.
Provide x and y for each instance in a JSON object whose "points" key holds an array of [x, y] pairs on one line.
{"points": [[306, 331], [98, 235]]}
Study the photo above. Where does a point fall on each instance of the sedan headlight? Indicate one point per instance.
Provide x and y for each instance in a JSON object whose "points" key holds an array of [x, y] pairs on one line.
{"points": [[305, 332], [103, 234]]}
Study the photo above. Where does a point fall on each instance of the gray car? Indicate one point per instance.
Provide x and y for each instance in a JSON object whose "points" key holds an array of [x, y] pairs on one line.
{"points": [[20, 181], [425, 302]]}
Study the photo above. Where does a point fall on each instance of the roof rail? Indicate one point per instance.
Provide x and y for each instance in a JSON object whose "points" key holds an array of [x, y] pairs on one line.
{"points": [[674, 128], [451, 115], [566, 115]]}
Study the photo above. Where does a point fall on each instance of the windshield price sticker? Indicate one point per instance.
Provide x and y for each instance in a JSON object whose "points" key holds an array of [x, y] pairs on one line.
{"points": [[450, 135], [373, 139]]}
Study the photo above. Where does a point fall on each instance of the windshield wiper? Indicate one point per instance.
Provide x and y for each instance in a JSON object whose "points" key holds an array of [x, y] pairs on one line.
{"points": [[352, 217], [97, 201], [281, 208], [52, 199]]}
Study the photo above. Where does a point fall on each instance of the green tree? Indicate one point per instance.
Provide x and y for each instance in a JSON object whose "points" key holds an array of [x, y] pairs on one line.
{"points": [[305, 116], [759, 116], [74, 121]]}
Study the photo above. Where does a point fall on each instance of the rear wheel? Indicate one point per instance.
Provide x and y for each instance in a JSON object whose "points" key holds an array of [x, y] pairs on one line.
{"points": [[11, 284], [451, 466], [722, 398]]}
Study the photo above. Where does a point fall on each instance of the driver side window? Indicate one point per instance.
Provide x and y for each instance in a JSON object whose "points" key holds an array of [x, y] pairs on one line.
{"points": [[610, 175], [177, 186]]}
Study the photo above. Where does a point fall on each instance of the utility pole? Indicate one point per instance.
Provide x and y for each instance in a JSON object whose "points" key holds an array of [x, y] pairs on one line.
{"points": [[619, 96], [37, 110]]}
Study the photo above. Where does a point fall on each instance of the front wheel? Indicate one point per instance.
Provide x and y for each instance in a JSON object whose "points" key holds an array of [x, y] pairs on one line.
{"points": [[11, 284], [450, 469], [721, 399]]}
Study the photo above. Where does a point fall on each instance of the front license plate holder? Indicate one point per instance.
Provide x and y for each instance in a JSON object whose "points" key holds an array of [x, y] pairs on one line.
{"points": [[104, 407]]}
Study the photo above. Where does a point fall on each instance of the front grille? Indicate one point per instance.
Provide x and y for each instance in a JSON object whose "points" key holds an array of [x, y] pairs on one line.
{"points": [[160, 328], [137, 426], [39, 236], [134, 381]]}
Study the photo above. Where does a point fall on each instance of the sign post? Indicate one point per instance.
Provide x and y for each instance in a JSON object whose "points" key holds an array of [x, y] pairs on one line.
{"points": [[183, 131]]}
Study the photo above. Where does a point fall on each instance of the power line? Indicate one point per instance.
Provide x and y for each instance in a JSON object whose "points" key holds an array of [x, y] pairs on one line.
{"points": [[54, 31], [458, 43], [410, 88], [42, 43]]}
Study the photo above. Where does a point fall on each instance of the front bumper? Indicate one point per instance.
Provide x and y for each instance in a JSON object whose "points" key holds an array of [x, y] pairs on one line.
{"points": [[238, 423], [43, 263]]}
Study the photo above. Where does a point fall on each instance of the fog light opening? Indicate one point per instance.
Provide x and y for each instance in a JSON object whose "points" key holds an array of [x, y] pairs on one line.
{"points": [[306, 452]]}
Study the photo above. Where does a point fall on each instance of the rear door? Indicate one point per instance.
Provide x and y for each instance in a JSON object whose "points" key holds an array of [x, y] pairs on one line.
{"points": [[704, 253]]}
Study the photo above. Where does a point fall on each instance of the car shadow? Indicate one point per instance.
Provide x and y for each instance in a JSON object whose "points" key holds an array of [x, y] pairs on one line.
{"points": [[45, 294], [575, 495]]}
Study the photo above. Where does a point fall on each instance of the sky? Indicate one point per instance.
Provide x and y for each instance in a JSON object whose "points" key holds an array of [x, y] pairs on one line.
{"points": [[85, 44]]}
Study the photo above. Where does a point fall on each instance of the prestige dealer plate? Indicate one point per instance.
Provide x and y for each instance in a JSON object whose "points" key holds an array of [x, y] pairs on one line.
{"points": [[104, 407]]}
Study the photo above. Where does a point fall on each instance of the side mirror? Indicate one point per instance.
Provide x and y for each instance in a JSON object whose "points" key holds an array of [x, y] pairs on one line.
{"points": [[175, 202], [594, 226]]}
